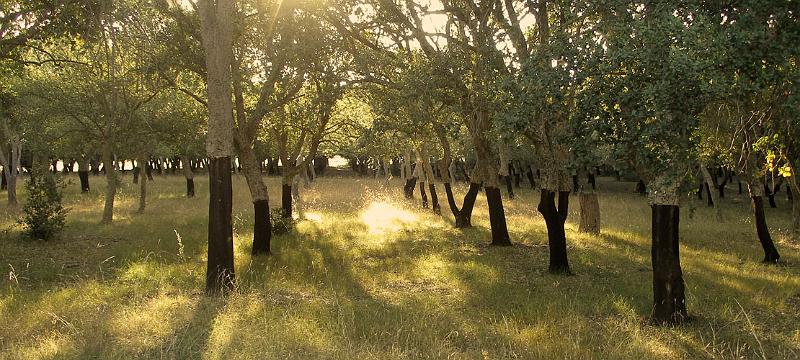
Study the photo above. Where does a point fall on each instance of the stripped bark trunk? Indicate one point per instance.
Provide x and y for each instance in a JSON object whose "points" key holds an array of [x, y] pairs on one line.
{"points": [[669, 299], [216, 23], [262, 226]]}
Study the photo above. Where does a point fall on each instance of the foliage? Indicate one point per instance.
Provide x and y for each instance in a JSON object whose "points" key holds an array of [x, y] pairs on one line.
{"points": [[45, 215]]}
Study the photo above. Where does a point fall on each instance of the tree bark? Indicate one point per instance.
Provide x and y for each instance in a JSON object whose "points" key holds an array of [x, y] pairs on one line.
{"points": [[286, 200], [762, 230], [712, 198], [554, 218], [262, 226], [11, 163], [189, 175], [83, 174], [497, 217], [220, 275], [669, 300], [142, 193], [216, 23], [590, 212]]}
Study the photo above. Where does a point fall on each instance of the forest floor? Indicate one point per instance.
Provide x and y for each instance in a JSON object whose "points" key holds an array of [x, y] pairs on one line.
{"points": [[370, 275]]}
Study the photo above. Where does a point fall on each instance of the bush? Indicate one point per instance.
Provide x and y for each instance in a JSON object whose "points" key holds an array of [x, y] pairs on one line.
{"points": [[280, 224], [44, 214]]}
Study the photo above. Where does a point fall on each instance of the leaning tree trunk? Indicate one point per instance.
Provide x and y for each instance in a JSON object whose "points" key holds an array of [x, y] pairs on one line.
{"points": [[712, 196], [262, 226], [111, 186], [463, 216], [216, 23], [486, 172], [762, 230]]}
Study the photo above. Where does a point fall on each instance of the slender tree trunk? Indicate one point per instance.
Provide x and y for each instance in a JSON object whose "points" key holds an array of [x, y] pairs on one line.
{"points": [[142, 193], [669, 300], [189, 175], [3, 179], [554, 218], [712, 198], [11, 163], [111, 186], [423, 195], [762, 230]]}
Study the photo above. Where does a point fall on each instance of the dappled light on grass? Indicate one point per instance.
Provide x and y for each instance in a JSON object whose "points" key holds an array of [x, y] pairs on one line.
{"points": [[313, 217], [371, 275], [383, 217]]}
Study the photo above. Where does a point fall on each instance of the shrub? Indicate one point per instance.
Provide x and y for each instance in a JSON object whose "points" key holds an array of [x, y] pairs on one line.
{"points": [[44, 215], [280, 224]]}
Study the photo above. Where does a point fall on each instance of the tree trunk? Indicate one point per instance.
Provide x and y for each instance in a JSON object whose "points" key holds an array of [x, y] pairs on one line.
{"points": [[756, 195], [262, 226], [11, 163], [111, 184], [189, 175], [497, 217], [3, 181], [83, 175], [795, 189], [423, 195], [220, 275], [669, 300], [554, 219], [408, 189], [286, 201], [712, 199], [509, 188], [142, 194], [590, 212], [216, 23], [437, 209]]}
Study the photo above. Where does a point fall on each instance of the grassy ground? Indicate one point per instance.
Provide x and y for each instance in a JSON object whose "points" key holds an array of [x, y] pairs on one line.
{"points": [[371, 276]]}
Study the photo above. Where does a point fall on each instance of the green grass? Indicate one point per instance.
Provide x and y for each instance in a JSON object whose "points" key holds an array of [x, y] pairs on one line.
{"points": [[373, 277]]}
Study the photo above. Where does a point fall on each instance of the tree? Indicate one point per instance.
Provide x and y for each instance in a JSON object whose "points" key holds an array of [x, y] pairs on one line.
{"points": [[216, 19]]}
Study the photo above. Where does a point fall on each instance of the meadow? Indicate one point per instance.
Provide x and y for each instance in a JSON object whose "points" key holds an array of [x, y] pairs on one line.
{"points": [[370, 275]]}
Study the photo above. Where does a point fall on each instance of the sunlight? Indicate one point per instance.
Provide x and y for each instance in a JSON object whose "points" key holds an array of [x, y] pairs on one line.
{"points": [[382, 217], [313, 217]]}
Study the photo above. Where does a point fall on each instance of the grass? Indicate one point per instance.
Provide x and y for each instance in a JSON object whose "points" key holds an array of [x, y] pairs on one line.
{"points": [[371, 276]]}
